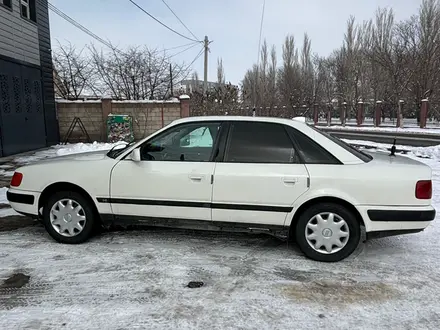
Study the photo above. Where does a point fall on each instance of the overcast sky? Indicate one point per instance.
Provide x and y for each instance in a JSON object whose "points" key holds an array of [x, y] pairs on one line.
{"points": [[233, 25]]}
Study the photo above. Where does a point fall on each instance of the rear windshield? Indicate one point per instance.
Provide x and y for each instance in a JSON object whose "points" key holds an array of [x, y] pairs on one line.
{"points": [[354, 151]]}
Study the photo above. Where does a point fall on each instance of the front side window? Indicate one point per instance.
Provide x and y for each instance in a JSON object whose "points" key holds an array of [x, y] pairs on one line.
{"points": [[192, 142], [258, 142]]}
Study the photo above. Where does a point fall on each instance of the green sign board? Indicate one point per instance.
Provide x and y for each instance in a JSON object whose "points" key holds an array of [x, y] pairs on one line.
{"points": [[120, 128]]}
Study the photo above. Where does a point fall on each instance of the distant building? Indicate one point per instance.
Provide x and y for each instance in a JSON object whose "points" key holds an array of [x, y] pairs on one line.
{"points": [[28, 117]]}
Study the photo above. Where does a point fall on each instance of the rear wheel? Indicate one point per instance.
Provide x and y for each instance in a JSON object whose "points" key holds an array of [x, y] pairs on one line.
{"points": [[69, 217], [327, 232]]}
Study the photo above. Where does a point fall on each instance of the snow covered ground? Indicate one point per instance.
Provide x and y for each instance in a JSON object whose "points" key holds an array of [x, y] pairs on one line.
{"points": [[407, 122], [404, 130], [137, 280]]}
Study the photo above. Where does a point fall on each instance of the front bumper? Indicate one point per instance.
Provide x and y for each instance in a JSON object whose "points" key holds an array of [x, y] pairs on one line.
{"points": [[23, 201]]}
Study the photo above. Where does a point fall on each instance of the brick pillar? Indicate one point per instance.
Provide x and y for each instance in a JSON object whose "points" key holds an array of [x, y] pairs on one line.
{"points": [[184, 106], [329, 115], [315, 114], [360, 113], [400, 114], [378, 113], [343, 112], [424, 113], [106, 108]]}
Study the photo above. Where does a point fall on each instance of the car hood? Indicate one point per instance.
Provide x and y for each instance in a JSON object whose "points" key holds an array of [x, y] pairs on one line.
{"points": [[83, 156], [385, 158]]}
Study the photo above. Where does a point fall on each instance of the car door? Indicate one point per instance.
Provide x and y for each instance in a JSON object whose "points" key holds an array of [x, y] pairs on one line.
{"points": [[260, 176], [173, 178]]}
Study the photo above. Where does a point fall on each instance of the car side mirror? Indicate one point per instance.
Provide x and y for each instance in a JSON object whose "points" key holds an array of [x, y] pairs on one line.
{"points": [[185, 142], [136, 155]]}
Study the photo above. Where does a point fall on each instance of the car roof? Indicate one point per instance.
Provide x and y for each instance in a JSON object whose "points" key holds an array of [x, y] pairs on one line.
{"points": [[236, 118]]}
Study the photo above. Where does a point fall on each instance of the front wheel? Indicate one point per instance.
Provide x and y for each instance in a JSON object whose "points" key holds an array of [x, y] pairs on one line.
{"points": [[68, 217], [327, 232]]}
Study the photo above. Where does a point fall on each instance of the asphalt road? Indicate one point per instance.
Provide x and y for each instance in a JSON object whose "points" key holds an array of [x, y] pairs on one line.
{"points": [[408, 139]]}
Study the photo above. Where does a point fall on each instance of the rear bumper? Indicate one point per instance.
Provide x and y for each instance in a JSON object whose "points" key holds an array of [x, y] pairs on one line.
{"points": [[396, 218], [23, 201], [401, 215]]}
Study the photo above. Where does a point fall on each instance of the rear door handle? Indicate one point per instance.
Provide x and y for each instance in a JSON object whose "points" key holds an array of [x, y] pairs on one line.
{"points": [[196, 177], [290, 180]]}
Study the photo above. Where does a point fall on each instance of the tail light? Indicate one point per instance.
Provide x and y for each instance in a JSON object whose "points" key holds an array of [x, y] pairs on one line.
{"points": [[16, 179], [424, 189]]}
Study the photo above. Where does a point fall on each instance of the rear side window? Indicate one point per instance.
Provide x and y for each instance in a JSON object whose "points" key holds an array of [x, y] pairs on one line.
{"points": [[356, 152], [255, 142], [310, 151]]}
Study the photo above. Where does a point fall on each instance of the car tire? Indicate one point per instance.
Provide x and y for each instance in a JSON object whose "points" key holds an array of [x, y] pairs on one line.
{"points": [[317, 232], [63, 223]]}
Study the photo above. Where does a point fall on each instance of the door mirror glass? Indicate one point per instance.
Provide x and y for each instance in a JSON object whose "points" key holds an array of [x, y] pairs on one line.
{"points": [[185, 141], [136, 155]]}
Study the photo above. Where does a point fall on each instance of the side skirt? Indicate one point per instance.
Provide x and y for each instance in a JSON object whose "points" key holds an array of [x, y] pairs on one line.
{"points": [[280, 232]]}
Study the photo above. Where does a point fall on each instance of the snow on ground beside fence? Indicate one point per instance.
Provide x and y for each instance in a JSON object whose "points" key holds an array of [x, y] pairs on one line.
{"points": [[404, 130], [407, 122]]}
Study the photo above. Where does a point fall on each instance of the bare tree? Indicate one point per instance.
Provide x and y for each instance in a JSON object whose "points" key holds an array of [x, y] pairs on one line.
{"points": [[72, 71], [378, 60], [420, 36], [136, 73]]}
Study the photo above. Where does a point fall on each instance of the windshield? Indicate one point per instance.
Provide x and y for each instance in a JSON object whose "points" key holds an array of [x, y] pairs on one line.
{"points": [[354, 151], [119, 149]]}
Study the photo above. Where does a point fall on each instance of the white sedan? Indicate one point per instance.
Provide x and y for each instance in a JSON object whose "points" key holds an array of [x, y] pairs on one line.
{"points": [[253, 174]]}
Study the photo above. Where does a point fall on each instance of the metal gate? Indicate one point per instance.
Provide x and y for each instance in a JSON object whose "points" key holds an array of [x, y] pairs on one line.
{"points": [[21, 109]]}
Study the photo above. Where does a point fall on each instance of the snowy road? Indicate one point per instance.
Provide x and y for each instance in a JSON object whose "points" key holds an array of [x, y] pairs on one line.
{"points": [[137, 280]]}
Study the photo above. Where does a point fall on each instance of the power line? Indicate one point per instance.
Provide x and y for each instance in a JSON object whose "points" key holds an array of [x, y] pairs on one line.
{"points": [[79, 26], [164, 25], [175, 15], [181, 46], [108, 44], [182, 51], [192, 62], [104, 42]]}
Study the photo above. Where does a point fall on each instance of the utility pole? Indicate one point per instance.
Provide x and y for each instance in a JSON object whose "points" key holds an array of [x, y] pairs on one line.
{"points": [[205, 76], [171, 80]]}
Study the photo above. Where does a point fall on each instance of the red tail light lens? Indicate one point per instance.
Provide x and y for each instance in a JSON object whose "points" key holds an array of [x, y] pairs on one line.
{"points": [[424, 189], [16, 179]]}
